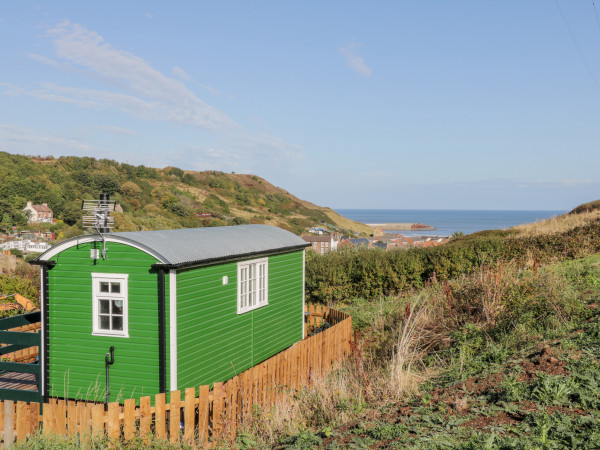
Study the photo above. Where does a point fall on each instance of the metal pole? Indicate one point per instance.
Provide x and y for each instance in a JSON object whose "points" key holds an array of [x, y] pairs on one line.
{"points": [[109, 359]]}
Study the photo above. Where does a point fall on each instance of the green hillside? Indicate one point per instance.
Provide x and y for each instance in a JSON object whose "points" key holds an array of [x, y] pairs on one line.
{"points": [[151, 198]]}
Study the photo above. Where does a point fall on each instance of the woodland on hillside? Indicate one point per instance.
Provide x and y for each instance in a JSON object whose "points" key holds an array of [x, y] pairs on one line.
{"points": [[150, 198]]}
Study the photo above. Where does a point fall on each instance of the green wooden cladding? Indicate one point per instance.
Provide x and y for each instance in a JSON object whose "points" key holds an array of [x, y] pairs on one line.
{"points": [[214, 343], [76, 357]]}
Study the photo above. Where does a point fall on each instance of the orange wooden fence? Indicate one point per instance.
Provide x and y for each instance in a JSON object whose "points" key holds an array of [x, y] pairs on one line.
{"points": [[212, 416]]}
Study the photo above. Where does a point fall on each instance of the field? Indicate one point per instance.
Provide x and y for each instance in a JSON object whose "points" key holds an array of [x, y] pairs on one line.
{"points": [[501, 359], [499, 352], [490, 341]]}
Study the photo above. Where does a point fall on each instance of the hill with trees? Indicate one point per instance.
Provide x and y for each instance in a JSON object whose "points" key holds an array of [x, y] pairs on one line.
{"points": [[152, 198]]}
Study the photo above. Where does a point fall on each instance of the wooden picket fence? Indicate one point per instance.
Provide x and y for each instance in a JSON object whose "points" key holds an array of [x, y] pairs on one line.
{"points": [[210, 417]]}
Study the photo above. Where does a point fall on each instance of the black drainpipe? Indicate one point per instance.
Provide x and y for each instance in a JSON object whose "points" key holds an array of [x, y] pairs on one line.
{"points": [[162, 337]]}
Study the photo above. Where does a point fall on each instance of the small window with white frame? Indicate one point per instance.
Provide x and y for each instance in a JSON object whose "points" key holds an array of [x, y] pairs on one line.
{"points": [[253, 284], [110, 304]]}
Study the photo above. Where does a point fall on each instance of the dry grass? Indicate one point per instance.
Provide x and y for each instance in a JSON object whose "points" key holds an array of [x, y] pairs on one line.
{"points": [[556, 224], [266, 426], [405, 371], [343, 395]]}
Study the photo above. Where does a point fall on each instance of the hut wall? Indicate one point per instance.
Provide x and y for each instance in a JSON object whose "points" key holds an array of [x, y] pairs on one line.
{"points": [[76, 357], [214, 341]]}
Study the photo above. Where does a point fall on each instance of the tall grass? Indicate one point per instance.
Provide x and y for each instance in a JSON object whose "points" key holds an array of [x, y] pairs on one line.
{"points": [[558, 224]]}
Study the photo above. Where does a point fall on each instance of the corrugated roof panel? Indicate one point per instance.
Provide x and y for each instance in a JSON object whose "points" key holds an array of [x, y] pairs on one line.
{"points": [[190, 245]]}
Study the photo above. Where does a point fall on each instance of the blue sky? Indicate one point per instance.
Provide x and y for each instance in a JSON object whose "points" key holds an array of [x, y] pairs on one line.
{"points": [[384, 104]]}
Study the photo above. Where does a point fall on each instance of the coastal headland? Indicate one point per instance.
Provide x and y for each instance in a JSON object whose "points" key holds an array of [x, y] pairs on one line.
{"points": [[402, 226]]}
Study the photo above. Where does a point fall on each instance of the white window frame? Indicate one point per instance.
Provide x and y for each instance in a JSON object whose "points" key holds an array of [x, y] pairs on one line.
{"points": [[123, 295], [251, 294]]}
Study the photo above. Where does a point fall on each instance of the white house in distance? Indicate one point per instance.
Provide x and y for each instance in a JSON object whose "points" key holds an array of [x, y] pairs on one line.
{"points": [[38, 213], [321, 244]]}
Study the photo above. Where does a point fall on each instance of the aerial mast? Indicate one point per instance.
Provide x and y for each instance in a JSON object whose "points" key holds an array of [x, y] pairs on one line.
{"points": [[96, 216]]}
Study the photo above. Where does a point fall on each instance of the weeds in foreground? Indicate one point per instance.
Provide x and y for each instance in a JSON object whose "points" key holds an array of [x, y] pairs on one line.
{"points": [[503, 325], [40, 441]]}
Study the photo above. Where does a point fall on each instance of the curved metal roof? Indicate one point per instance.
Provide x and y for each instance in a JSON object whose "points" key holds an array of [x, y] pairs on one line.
{"points": [[196, 245]]}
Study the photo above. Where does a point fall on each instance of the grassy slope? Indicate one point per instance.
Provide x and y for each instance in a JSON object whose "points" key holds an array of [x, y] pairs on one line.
{"points": [[153, 198], [538, 392], [505, 357], [292, 209]]}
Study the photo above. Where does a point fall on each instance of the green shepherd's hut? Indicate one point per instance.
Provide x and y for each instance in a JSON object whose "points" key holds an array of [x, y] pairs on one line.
{"points": [[180, 308]]}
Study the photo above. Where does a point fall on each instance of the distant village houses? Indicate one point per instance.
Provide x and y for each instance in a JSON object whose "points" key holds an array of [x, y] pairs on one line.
{"points": [[321, 243], [26, 246], [38, 213]]}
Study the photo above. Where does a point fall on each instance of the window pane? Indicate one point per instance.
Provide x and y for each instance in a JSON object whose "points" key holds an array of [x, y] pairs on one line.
{"points": [[117, 323], [104, 286], [115, 288], [117, 307], [104, 305], [104, 322]]}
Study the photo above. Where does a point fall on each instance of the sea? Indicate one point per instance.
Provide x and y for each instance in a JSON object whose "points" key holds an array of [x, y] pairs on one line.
{"points": [[448, 221]]}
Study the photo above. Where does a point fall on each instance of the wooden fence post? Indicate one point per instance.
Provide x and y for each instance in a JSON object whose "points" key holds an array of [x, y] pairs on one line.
{"points": [[23, 418], [129, 418], [189, 420], [9, 408], [97, 420], [113, 425], [34, 411], [60, 423], [72, 418], [217, 422], [175, 416], [48, 418], [160, 416], [203, 411], [145, 416]]}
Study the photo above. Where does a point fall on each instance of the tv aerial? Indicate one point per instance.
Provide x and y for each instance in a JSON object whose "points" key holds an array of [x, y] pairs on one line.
{"points": [[96, 216]]}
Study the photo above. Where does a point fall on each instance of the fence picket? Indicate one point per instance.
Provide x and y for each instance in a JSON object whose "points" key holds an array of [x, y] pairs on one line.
{"points": [[129, 418], [48, 416], [8, 423], [203, 411], [174, 416], [98, 420], [145, 416], [113, 425], [84, 412], [71, 418], [189, 415], [160, 416], [34, 414], [22, 425], [217, 427]]}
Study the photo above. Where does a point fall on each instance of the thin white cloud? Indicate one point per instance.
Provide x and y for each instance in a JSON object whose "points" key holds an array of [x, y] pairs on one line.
{"points": [[21, 140], [137, 89], [44, 59], [181, 73], [210, 89], [76, 44], [25, 141], [134, 87], [354, 61], [117, 130]]}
